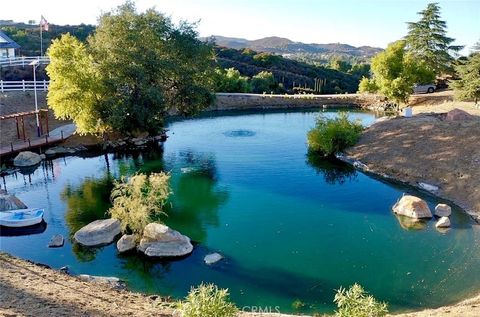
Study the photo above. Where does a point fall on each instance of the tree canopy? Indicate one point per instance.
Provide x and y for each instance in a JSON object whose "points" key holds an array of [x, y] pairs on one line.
{"points": [[427, 40], [468, 86], [395, 71], [133, 70]]}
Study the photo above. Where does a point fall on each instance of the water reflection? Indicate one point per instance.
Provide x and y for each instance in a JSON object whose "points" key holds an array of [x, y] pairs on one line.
{"points": [[87, 202], [334, 171], [196, 196], [23, 231]]}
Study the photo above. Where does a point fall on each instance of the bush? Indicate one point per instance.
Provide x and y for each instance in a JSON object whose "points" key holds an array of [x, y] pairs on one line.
{"points": [[207, 300], [356, 302], [367, 85], [330, 136], [137, 200]]}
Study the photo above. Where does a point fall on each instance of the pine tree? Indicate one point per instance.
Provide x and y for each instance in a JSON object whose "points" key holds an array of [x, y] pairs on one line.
{"points": [[468, 86], [427, 39]]}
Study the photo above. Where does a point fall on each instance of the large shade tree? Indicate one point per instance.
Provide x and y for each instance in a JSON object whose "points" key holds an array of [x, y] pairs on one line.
{"points": [[396, 70], [133, 70], [427, 40]]}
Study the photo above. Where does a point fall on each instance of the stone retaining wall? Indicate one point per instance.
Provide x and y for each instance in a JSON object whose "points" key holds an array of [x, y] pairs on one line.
{"points": [[236, 101]]}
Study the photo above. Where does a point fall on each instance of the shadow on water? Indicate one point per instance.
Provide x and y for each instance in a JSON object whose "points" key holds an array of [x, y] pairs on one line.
{"points": [[23, 231], [333, 171]]}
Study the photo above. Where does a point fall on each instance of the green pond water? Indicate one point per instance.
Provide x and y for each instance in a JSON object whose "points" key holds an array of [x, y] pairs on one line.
{"points": [[291, 227]]}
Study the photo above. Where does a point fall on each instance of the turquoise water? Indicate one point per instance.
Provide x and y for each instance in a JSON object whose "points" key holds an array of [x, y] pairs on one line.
{"points": [[291, 227]]}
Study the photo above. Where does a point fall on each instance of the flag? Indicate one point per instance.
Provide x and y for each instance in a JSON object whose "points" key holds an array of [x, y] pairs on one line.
{"points": [[44, 24]]}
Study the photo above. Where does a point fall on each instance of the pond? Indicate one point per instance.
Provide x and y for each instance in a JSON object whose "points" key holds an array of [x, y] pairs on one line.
{"points": [[291, 227]]}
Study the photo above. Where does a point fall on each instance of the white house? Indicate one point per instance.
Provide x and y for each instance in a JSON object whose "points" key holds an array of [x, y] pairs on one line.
{"points": [[8, 47]]}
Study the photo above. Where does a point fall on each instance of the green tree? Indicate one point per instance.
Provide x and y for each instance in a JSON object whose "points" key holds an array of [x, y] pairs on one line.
{"points": [[427, 39], [340, 65], [263, 82], [467, 87], [395, 71], [367, 85], [230, 80], [360, 70], [76, 86], [145, 67]]}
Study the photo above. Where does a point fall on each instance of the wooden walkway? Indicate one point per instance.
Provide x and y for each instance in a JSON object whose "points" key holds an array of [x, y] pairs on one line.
{"points": [[55, 136]]}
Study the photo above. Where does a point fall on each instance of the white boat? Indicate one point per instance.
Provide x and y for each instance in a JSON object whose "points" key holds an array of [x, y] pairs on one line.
{"points": [[21, 217]]}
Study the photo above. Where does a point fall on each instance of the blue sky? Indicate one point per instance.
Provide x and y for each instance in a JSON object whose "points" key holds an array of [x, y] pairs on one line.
{"points": [[355, 22]]}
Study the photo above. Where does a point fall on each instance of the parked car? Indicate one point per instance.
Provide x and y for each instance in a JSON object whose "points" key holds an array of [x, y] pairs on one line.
{"points": [[424, 89]]}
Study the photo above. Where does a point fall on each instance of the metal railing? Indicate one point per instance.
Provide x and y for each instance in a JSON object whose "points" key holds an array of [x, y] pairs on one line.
{"points": [[22, 60], [23, 85]]}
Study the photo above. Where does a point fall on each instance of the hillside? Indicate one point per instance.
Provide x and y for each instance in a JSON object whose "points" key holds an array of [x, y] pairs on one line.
{"points": [[288, 72], [28, 35], [299, 50]]}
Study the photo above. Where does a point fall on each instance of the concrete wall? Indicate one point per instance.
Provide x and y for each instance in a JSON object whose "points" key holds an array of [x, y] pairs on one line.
{"points": [[234, 101]]}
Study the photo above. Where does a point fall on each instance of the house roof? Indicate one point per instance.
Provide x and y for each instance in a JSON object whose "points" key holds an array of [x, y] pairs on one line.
{"points": [[6, 42]]}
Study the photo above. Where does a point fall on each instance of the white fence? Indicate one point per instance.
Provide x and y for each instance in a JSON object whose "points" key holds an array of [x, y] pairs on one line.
{"points": [[22, 60], [23, 85]]}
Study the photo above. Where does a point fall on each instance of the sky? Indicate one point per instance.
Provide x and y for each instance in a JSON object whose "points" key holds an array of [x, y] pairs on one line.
{"points": [[355, 22]]}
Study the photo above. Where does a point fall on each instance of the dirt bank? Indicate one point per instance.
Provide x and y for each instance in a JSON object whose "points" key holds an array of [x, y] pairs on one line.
{"points": [[426, 148]]}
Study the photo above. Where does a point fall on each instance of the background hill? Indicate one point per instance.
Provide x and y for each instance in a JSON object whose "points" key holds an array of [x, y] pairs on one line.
{"points": [[320, 53]]}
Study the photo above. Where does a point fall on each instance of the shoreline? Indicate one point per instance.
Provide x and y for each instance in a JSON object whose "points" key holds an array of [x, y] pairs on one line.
{"points": [[34, 289]]}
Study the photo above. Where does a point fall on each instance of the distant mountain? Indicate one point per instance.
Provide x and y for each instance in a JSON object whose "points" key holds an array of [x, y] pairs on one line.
{"points": [[299, 50]]}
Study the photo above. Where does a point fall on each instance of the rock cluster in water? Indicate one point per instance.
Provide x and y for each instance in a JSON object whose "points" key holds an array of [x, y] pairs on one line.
{"points": [[159, 240], [27, 159], [98, 232]]}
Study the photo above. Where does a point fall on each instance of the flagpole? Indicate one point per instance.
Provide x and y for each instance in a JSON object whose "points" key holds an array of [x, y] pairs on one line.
{"points": [[41, 40]]}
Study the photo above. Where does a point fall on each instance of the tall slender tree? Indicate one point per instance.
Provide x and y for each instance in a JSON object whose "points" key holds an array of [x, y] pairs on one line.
{"points": [[467, 87], [427, 39]]}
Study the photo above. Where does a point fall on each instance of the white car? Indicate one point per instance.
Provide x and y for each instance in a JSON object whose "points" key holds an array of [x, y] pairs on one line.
{"points": [[424, 89]]}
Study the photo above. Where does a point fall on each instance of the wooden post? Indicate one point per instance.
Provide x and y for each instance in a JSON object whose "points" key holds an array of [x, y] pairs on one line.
{"points": [[29, 144], [11, 146], [18, 130], [40, 122], [46, 116], [46, 139], [61, 133], [23, 128]]}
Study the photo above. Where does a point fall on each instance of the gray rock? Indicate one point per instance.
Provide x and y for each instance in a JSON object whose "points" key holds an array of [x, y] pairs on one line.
{"points": [[212, 258], [443, 210], [59, 150], [126, 243], [98, 232], [110, 281], [56, 241], [443, 222], [413, 207], [10, 202], [65, 270], [160, 241], [26, 158], [428, 187], [43, 156]]}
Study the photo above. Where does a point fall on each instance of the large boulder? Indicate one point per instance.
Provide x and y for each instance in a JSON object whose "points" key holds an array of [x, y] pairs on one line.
{"points": [[99, 232], [27, 158], [443, 210], [458, 115], [10, 202], [413, 207], [160, 241], [126, 243]]}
